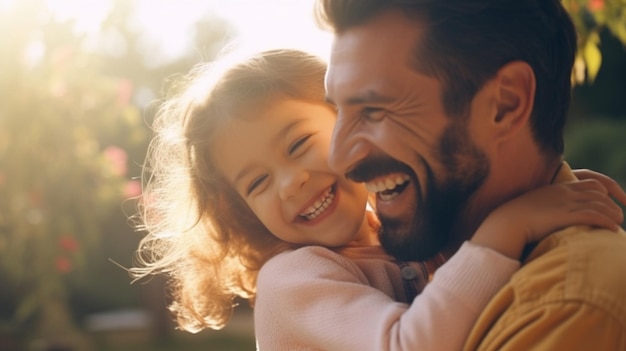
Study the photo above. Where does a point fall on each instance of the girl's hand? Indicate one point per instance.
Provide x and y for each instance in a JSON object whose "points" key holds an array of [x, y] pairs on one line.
{"points": [[556, 206], [615, 190], [540, 212]]}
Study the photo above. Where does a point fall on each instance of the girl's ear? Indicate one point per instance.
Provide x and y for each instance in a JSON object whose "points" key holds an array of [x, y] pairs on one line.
{"points": [[515, 97]]}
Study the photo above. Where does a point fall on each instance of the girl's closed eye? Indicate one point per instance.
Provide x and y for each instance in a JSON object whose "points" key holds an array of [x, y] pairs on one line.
{"points": [[256, 182], [297, 147]]}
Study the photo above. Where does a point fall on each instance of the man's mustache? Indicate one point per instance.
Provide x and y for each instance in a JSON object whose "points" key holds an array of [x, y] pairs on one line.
{"points": [[375, 166]]}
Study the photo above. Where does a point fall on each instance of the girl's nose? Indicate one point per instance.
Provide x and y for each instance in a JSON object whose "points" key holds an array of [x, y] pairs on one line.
{"points": [[291, 182]]}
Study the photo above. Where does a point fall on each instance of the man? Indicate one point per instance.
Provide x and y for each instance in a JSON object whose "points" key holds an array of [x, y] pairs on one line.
{"points": [[447, 109]]}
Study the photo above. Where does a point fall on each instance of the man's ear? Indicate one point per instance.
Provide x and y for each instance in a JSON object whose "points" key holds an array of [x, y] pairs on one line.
{"points": [[515, 97]]}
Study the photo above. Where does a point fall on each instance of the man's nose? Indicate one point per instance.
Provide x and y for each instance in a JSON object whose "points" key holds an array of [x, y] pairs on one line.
{"points": [[347, 147], [291, 180]]}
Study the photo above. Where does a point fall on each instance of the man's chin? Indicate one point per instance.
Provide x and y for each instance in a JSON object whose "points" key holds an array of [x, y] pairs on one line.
{"points": [[408, 242]]}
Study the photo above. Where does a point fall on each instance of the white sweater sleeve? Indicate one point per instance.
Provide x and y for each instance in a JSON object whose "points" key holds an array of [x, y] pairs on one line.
{"points": [[315, 299]]}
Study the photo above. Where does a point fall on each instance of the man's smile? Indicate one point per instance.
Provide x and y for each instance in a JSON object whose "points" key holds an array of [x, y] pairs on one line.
{"points": [[389, 186]]}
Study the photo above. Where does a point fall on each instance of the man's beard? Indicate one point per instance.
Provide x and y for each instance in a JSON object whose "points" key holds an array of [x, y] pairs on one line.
{"points": [[429, 230]]}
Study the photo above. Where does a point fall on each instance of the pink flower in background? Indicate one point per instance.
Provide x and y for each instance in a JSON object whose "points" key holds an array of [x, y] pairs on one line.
{"points": [[35, 198], [67, 243], [124, 91], [118, 158], [596, 5], [63, 264], [132, 188]]}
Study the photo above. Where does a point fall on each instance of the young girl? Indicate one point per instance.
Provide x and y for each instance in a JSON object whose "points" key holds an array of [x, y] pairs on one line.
{"points": [[240, 201]]}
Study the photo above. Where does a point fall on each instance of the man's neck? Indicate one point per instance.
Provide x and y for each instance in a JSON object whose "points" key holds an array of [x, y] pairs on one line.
{"points": [[500, 186]]}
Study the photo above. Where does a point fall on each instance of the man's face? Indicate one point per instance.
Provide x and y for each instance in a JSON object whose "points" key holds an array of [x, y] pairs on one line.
{"points": [[393, 134]]}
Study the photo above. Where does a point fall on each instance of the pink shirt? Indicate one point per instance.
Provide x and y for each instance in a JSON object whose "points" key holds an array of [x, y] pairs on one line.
{"points": [[315, 299]]}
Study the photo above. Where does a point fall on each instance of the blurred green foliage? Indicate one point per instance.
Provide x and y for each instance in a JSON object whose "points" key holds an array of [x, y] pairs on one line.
{"points": [[73, 134], [64, 131], [595, 136], [599, 144], [62, 174], [591, 17]]}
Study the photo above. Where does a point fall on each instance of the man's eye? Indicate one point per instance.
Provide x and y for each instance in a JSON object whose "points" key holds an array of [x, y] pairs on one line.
{"points": [[374, 114], [297, 144], [255, 184]]}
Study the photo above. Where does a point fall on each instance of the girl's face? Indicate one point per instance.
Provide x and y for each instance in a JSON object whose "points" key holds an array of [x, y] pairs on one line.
{"points": [[276, 158]]}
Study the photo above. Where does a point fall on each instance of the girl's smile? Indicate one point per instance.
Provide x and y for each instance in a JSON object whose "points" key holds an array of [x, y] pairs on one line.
{"points": [[321, 208]]}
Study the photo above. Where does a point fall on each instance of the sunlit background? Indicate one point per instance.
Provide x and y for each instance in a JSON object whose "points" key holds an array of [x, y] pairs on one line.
{"points": [[78, 82]]}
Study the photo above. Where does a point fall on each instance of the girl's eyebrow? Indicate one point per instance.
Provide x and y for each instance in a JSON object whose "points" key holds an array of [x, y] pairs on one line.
{"points": [[282, 134], [279, 136], [245, 171]]}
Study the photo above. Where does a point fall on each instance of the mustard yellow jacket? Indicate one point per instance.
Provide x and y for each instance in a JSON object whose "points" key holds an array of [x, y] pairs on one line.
{"points": [[570, 294]]}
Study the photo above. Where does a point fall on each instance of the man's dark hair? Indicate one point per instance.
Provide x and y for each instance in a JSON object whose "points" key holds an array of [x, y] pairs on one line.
{"points": [[467, 41]]}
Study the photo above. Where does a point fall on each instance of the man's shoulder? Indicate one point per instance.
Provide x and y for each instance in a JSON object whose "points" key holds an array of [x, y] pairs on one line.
{"points": [[579, 246], [578, 263], [568, 294]]}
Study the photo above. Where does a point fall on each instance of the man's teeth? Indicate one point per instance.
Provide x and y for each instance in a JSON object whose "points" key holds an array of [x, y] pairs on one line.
{"points": [[319, 206], [388, 183]]}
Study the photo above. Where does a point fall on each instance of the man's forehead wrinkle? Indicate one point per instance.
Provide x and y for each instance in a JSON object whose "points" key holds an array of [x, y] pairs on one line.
{"points": [[369, 95], [340, 88]]}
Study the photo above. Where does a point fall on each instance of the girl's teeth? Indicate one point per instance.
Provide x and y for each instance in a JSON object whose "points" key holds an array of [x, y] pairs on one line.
{"points": [[319, 206]]}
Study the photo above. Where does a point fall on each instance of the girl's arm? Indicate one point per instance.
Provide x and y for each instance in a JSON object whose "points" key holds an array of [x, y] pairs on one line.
{"points": [[316, 299], [535, 214]]}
